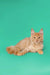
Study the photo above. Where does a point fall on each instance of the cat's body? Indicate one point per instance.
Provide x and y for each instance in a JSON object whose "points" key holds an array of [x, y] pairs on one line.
{"points": [[31, 44]]}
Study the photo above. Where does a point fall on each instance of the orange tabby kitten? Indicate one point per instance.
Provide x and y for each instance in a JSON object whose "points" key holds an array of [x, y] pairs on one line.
{"points": [[31, 44]]}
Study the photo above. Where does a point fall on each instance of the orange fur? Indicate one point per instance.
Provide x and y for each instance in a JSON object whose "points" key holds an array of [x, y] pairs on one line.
{"points": [[31, 44]]}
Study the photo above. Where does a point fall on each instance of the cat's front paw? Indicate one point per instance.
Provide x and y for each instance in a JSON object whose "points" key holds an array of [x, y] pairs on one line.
{"points": [[40, 52]]}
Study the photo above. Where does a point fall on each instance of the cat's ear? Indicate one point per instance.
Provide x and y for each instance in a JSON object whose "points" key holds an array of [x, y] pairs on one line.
{"points": [[41, 31], [32, 32]]}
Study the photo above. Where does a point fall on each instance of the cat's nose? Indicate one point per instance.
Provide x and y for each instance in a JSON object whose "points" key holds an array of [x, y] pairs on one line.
{"points": [[36, 40]]}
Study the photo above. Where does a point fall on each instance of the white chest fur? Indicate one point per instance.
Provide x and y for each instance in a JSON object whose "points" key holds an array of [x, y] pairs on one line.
{"points": [[34, 48]]}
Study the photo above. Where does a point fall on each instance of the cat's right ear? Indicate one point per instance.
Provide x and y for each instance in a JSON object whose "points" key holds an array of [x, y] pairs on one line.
{"points": [[32, 31], [41, 31]]}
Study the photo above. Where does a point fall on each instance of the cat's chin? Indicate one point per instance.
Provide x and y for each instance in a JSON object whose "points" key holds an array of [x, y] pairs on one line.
{"points": [[37, 43]]}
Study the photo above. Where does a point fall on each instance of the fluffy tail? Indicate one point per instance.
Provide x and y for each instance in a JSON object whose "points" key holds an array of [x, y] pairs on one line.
{"points": [[13, 50]]}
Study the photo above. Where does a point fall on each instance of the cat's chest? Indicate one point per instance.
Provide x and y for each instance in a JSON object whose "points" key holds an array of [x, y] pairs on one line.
{"points": [[31, 47], [34, 48]]}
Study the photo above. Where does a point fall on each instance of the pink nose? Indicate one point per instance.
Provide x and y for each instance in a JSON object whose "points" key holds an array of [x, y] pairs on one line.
{"points": [[36, 40]]}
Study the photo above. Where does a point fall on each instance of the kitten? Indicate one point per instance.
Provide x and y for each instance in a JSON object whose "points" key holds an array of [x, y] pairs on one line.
{"points": [[32, 44]]}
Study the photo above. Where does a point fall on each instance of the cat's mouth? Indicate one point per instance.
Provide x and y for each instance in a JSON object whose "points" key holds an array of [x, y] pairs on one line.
{"points": [[37, 42]]}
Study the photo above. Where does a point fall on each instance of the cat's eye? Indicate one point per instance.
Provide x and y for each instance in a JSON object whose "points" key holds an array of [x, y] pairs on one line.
{"points": [[39, 37], [34, 37]]}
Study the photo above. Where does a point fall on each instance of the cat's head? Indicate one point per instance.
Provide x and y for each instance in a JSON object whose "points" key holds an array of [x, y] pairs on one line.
{"points": [[37, 37]]}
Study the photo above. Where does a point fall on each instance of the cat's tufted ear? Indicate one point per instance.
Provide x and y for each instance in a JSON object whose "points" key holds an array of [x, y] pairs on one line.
{"points": [[32, 32], [41, 31]]}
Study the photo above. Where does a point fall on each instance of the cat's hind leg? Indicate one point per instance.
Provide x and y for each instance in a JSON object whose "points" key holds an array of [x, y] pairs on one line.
{"points": [[22, 52]]}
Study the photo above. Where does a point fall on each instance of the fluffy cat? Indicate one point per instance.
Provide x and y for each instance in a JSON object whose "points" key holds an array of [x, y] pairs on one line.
{"points": [[32, 44]]}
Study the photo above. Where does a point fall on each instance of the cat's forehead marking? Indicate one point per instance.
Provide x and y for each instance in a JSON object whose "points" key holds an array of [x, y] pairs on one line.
{"points": [[36, 34]]}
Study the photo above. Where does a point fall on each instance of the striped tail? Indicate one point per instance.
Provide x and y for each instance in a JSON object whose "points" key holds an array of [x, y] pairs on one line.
{"points": [[13, 50]]}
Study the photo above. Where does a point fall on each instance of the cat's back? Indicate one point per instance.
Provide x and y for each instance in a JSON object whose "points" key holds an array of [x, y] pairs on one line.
{"points": [[24, 43]]}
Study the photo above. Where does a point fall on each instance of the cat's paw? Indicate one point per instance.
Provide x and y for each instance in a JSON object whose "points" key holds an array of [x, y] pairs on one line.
{"points": [[19, 54], [40, 52]]}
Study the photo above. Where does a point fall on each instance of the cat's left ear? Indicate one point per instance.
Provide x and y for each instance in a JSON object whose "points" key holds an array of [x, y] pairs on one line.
{"points": [[41, 31], [32, 32]]}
